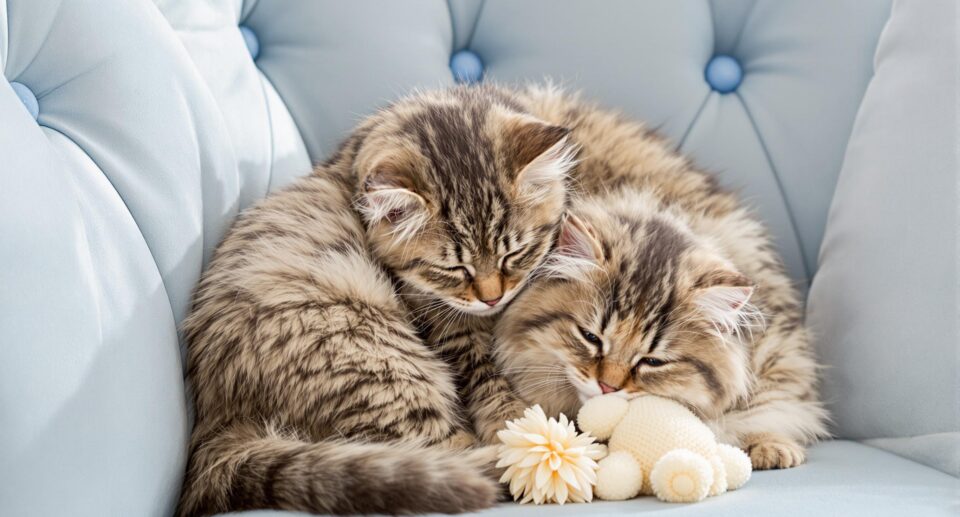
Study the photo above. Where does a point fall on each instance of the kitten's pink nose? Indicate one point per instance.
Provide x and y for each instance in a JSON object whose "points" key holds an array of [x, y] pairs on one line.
{"points": [[493, 301], [606, 388]]}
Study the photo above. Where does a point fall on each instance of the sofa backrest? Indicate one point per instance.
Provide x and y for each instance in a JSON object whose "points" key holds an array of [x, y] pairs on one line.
{"points": [[113, 180], [157, 122], [884, 305]]}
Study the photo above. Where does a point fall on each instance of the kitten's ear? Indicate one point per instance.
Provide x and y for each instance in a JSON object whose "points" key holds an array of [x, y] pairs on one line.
{"points": [[388, 196], [542, 156], [578, 251], [579, 241], [724, 299]]}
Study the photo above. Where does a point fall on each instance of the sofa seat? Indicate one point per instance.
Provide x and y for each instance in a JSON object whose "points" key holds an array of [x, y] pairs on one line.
{"points": [[840, 478]]}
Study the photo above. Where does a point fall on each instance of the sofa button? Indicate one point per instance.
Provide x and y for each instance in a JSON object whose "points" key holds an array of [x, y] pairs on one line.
{"points": [[28, 99], [724, 74], [467, 67], [251, 41]]}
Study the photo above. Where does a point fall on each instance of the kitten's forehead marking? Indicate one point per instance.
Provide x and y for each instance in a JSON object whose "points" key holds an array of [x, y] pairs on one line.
{"points": [[641, 290], [462, 170]]}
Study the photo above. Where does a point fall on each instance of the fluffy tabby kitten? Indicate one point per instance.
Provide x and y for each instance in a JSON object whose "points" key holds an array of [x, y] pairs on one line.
{"points": [[316, 387], [661, 284]]}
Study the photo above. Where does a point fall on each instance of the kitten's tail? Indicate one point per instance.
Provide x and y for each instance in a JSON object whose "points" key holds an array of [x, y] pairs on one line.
{"points": [[339, 477]]}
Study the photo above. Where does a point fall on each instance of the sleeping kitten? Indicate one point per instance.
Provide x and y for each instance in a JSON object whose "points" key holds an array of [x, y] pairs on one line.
{"points": [[661, 284], [314, 388], [462, 214]]}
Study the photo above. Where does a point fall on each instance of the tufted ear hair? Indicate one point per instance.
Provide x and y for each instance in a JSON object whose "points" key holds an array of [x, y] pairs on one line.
{"points": [[578, 250], [578, 240], [389, 197], [542, 156], [723, 297]]}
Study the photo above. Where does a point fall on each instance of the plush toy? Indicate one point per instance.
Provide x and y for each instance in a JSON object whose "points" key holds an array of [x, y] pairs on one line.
{"points": [[547, 460], [657, 446]]}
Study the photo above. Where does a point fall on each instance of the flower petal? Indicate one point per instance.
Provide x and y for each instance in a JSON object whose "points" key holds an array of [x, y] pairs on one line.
{"points": [[538, 439], [596, 451], [543, 475], [568, 476], [554, 461], [512, 439], [529, 461], [512, 456], [561, 491]]}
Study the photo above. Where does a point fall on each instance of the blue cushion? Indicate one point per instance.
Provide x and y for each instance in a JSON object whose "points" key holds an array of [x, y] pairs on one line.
{"points": [[884, 305], [222, 37], [841, 478], [107, 201]]}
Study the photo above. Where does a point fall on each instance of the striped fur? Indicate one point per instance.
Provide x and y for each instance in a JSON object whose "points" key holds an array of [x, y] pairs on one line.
{"points": [[482, 188], [316, 387], [664, 284]]}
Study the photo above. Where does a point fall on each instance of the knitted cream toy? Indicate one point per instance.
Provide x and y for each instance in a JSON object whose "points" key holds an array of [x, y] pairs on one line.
{"points": [[657, 446]]}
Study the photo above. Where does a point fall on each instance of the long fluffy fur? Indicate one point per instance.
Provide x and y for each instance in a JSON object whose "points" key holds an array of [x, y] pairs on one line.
{"points": [[738, 355], [248, 467], [298, 325]]}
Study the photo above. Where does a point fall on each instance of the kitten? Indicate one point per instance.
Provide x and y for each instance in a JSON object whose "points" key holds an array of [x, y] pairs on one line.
{"points": [[463, 233], [314, 387], [661, 284]]}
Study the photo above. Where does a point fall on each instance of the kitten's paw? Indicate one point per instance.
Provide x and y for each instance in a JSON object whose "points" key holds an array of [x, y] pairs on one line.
{"points": [[772, 451]]}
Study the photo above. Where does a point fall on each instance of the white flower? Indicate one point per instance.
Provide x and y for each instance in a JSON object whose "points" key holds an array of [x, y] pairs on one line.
{"points": [[547, 461]]}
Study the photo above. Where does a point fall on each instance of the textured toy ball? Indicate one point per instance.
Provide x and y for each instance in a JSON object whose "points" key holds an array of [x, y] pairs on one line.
{"points": [[619, 477], [719, 485], [737, 465], [547, 460], [603, 414], [681, 476]]}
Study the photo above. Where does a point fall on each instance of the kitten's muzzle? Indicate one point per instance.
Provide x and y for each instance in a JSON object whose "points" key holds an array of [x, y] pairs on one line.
{"points": [[489, 288], [606, 388]]}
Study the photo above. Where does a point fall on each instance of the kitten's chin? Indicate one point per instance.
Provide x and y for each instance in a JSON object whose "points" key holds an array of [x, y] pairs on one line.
{"points": [[588, 389], [478, 308], [585, 388], [475, 308]]}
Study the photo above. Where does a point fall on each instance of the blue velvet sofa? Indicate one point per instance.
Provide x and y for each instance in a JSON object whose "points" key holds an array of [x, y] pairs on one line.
{"points": [[133, 131]]}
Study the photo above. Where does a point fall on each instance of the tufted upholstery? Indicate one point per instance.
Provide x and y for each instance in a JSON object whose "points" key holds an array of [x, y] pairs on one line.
{"points": [[107, 200], [132, 132]]}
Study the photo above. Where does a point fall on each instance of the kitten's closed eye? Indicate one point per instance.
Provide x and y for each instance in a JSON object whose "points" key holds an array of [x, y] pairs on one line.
{"points": [[505, 260], [462, 270]]}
